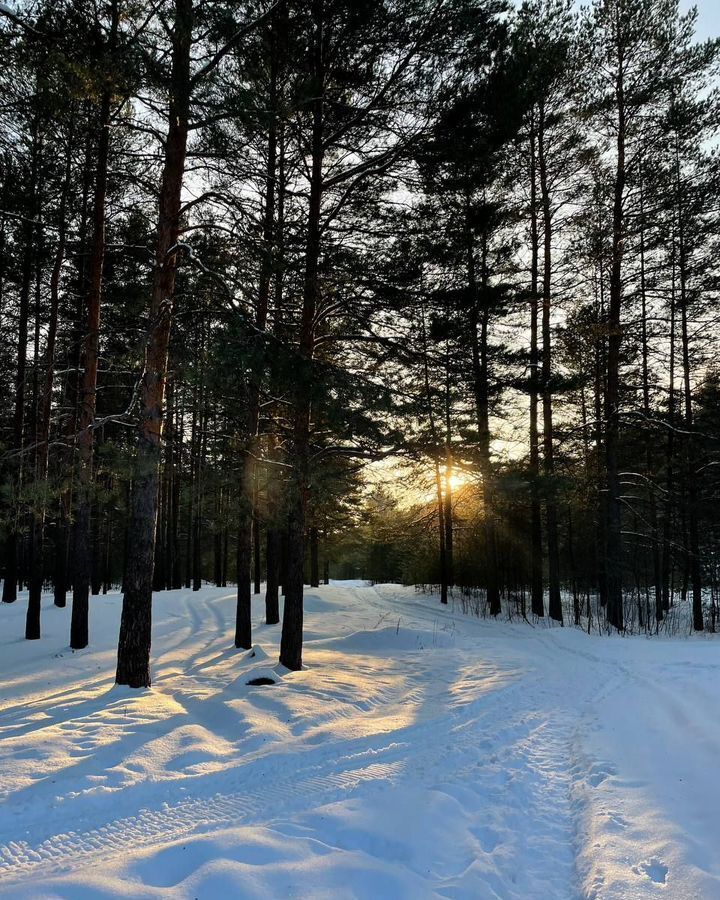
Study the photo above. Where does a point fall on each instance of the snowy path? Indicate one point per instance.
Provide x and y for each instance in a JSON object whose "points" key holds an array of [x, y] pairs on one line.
{"points": [[422, 754]]}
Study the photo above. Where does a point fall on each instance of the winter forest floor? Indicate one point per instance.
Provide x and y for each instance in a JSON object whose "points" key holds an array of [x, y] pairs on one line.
{"points": [[422, 753]]}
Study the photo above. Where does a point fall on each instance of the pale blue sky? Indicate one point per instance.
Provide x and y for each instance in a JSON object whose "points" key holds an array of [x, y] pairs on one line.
{"points": [[709, 16]]}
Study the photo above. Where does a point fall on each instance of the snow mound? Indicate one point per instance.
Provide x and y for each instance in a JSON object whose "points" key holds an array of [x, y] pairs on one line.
{"points": [[312, 603], [262, 675], [392, 638]]}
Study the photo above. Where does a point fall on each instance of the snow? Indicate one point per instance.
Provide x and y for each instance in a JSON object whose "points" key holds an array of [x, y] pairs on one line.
{"points": [[421, 753]]}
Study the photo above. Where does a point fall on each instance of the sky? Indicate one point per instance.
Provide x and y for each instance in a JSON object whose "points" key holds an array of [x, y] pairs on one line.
{"points": [[709, 16]]}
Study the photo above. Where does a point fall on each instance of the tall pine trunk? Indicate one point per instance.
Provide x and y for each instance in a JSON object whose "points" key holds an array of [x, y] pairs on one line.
{"points": [[32, 628], [10, 582], [448, 504], [79, 629], [667, 557], [272, 562], [536, 549], [693, 543], [614, 554], [292, 628], [442, 531], [243, 623], [554, 599], [249, 531], [133, 666], [314, 556], [652, 502], [479, 320]]}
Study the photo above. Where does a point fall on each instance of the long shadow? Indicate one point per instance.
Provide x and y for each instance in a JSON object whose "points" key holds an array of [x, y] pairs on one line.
{"points": [[263, 761], [263, 755], [45, 704], [97, 714]]}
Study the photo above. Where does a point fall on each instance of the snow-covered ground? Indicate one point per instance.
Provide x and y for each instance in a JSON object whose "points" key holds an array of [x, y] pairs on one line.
{"points": [[422, 753]]}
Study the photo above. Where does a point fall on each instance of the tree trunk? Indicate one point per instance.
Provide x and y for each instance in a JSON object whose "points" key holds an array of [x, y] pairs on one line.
{"points": [[314, 557], [175, 570], [217, 542], [652, 504], [442, 531], [60, 570], [250, 531], [691, 503], [272, 609], [283, 562], [200, 490], [133, 666], [97, 549], [64, 543], [257, 574], [189, 542], [615, 614], [275, 533], [169, 492], [35, 573], [106, 570], [554, 599], [448, 510], [669, 456], [12, 548], [598, 406], [291, 640], [88, 385], [479, 317], [226, 533], [536, 548], [43, 435], [243, 614]]}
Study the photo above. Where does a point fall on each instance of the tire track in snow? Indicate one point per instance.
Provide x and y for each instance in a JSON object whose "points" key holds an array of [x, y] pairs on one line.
{"points": [[149, 828], [272, 794], [479, 741]]}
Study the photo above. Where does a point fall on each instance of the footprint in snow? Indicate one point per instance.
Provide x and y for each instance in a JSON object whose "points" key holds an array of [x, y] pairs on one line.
{"points": [[599, 773], [487, 838], [615, 822], [654, 869]]}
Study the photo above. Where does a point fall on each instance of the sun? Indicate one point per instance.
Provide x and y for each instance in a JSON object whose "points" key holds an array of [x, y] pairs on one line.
{"points": [[458, 480]]}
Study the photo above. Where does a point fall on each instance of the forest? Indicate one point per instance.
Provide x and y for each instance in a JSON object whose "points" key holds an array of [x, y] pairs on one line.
{"points": [[417, 291]]}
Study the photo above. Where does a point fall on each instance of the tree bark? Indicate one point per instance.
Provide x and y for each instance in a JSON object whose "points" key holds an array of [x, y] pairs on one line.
{"points": [[291, 640], [554, 599], [615, 613], [133, 667], [43, 435], [448, 510], [479, 318], [695, 571], [10, 581], [79, 627], [652, 504], [314, 557], [64, 543], [249, 530], [536, 549], [442, 531], [243, 613], [257, 573], [272, 609], [35, 573], [667, 558]]}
